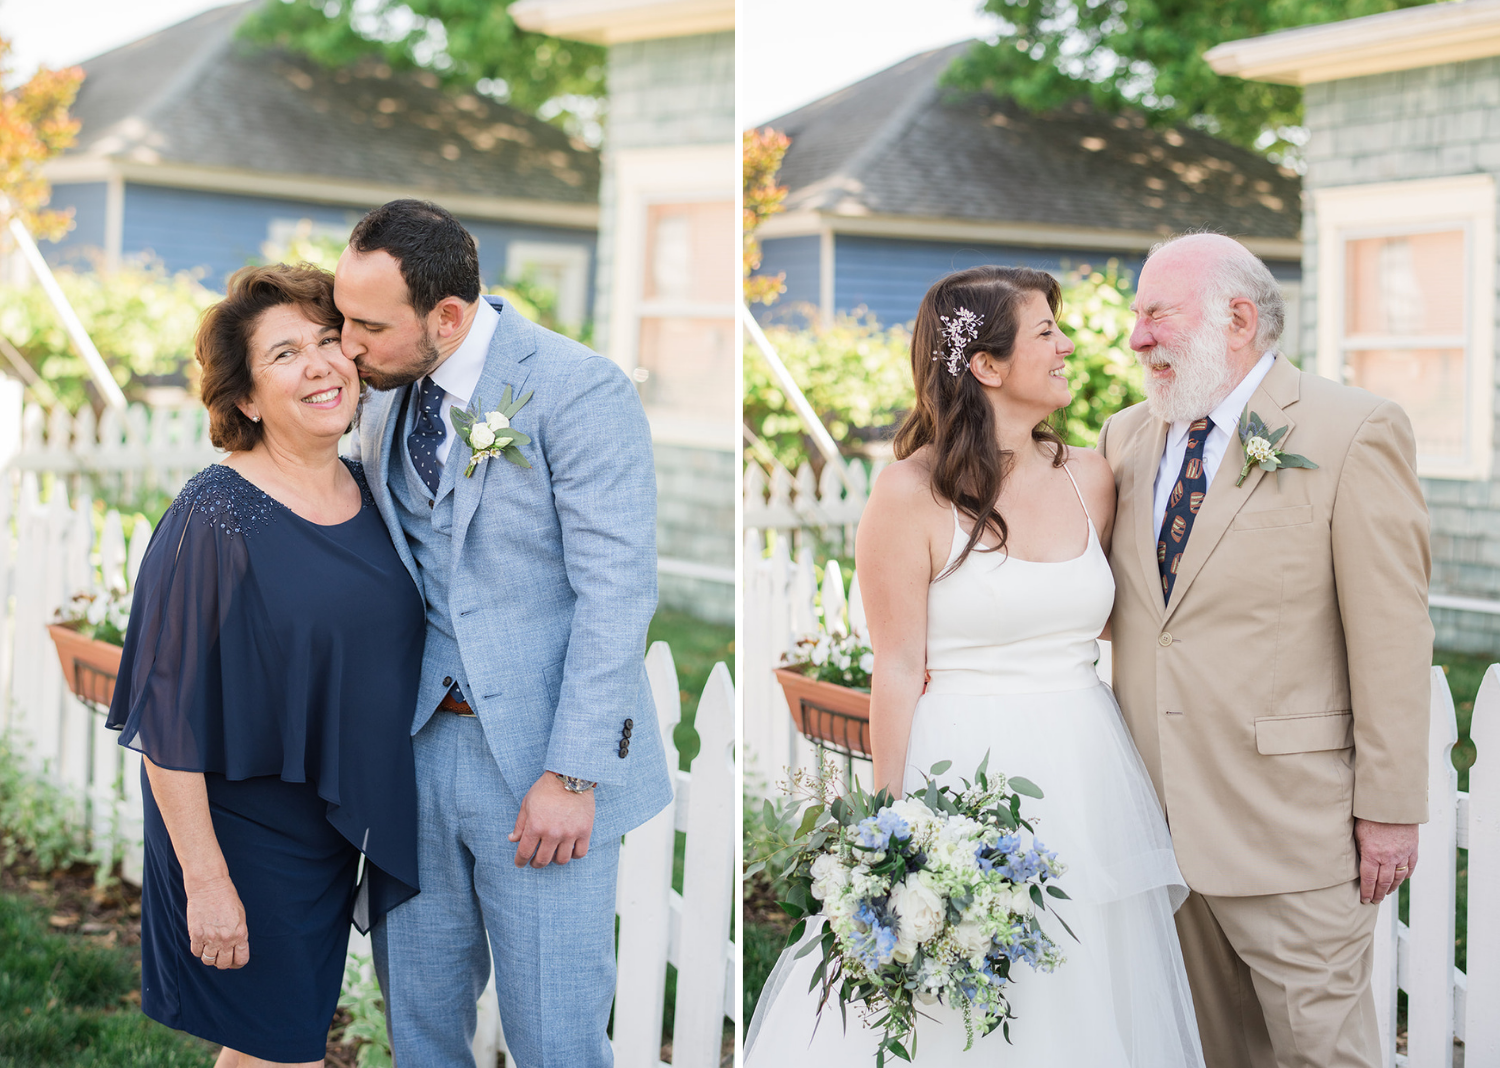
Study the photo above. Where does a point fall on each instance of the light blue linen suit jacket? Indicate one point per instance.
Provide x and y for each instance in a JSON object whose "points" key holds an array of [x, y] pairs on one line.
{"points": [[553, 577]]}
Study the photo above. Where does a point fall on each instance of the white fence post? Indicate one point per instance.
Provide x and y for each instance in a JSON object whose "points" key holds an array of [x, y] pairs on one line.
{"points": [[1482, 1023], [1429, 991]]}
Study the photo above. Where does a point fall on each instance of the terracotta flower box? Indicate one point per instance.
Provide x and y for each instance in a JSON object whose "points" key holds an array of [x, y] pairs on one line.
{"points": [[833, 715], [89, 666]]}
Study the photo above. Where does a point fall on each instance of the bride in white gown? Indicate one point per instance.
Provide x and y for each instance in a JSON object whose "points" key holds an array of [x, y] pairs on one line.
{"points": [[991, 650]]}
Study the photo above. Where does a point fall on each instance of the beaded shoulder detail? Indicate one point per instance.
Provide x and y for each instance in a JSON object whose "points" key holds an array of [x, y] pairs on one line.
{"points": [[357, 469], [223, 498]]}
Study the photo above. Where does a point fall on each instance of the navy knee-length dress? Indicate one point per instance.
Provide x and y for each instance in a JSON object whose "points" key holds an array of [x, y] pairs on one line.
{"points": [[280, 658]]}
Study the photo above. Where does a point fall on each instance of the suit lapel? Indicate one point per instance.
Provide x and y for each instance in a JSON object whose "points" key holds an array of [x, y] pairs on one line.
{"points": [[1144, 466], [386, 409], [505, 365], [1224, 500]]}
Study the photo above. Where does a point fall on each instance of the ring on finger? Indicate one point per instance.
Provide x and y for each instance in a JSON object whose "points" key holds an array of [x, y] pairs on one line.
{"points": [[209, 959], [1403, 867]]}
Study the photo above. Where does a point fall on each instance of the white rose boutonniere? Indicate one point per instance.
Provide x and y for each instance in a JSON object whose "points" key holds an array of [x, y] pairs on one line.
{"points": [[491, 434]]}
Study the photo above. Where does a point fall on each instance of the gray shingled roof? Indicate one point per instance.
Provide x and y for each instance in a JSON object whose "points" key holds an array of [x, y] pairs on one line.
{"points": [[899, 144], [194, 94]]}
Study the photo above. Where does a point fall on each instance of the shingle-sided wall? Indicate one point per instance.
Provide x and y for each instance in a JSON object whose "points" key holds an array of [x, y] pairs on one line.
{"points": [[1432, 122], [86, 239], [665, 93]]}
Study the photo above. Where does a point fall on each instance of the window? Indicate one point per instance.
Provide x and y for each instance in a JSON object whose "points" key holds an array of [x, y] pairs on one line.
{"points": [[562, 268], [1406, 309], [672, 257]]}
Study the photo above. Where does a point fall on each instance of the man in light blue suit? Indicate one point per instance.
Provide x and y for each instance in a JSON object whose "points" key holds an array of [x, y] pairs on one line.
{"points": [[535, 734]]}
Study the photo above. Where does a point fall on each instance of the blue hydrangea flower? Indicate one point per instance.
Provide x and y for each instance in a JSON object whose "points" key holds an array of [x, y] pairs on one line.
{"points": [[892, 824], [871, 943], [871, 834]]}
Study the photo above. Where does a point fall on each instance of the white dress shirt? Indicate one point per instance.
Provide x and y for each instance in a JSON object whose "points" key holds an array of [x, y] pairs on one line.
{"points": [[458, 375], [1224, 426]]}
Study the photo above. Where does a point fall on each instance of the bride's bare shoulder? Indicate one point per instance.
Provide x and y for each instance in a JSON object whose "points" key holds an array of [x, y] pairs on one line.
{"points": [[905, 483]]}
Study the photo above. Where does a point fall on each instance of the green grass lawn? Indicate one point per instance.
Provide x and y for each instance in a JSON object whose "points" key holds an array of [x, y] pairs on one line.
{"points": [[66, 1003]]}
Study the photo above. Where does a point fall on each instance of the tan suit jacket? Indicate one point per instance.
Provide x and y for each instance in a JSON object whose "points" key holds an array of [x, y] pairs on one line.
{"points": [[1284, 689]]}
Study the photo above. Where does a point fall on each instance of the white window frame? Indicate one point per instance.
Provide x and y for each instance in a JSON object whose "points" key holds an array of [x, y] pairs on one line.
{"points": [[1391, 209], [573, 260], [645, 177]]}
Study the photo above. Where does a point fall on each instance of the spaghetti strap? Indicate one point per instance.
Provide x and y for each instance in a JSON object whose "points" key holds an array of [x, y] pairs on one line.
{"points": [[1080, 497]]}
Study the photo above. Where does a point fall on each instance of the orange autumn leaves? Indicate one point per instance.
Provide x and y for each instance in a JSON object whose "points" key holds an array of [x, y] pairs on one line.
{"points": [[34, 127]]}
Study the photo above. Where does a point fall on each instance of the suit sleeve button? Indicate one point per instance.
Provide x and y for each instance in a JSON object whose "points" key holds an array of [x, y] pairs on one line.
{"points": [[629, 723]]}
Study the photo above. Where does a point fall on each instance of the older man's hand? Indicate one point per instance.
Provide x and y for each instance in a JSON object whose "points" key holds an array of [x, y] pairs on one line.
{"points": [[1387, 855]]}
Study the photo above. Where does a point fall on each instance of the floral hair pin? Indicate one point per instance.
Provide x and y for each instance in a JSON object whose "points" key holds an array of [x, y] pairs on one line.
{"points": [[959, 330]]}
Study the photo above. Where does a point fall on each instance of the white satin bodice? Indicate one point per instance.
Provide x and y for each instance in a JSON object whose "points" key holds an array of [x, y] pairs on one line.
{"points": [[999, 625]]}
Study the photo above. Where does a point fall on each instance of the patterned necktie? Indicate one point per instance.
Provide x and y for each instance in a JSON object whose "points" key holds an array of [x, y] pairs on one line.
{"points": [[428, 433], [1182, 508]]}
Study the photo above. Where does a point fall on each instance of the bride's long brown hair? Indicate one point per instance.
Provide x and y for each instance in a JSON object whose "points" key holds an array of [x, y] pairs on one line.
{"points": [[951, 412]]}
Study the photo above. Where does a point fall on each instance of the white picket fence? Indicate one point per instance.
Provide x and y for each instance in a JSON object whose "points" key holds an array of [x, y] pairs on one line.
{"points": [[786, 596], [50, 549]]}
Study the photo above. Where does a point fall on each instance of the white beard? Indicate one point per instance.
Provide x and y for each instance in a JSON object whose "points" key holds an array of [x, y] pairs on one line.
{"points": [[1200, 376]]}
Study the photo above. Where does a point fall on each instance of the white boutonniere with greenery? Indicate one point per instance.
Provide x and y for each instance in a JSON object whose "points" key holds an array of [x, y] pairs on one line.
{"points": [[1261, 450], [491, 434]]}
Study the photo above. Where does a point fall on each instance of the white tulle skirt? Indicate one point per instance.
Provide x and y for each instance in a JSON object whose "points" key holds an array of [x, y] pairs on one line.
{"points": [[1121, 998]]}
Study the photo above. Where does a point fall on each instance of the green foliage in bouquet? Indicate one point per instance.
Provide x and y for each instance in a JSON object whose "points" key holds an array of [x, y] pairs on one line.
{"points": [[926, 899]]}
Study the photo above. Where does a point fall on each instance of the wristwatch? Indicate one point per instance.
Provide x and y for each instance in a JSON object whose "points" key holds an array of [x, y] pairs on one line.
{"points": [[574, 785]]}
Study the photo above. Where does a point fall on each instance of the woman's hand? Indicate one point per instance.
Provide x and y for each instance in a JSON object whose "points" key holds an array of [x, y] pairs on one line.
{"points": [[216, 925]]}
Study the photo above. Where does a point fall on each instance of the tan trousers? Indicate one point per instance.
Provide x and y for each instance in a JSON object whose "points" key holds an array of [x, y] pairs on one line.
{"points": [[1283, 980]]}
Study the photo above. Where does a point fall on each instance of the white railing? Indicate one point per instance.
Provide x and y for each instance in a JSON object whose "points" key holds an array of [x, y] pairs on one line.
{"points": [[784, 598], [49, 550]]}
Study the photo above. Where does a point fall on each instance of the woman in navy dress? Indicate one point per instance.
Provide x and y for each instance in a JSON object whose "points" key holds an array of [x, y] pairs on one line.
{"points": [[268, 679]]}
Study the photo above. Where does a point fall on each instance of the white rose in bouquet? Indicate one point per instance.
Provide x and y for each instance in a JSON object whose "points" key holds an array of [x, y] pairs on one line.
{"points": [[829, 876], [481, 436], [1020, 901], [917, 815], [919, 907], [972, 938], [906, 946]]}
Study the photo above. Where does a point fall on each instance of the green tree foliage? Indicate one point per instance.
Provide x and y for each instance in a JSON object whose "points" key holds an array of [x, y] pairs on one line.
{"points": [[1148, 55], [467, 44], [761, 152], [141, 318], [34, 127], [1103, 372], [857, 374]]}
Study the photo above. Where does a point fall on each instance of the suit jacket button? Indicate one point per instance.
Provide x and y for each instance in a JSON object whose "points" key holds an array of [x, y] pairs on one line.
{"points": [[447, 680], [1165, 640], [429, 502]]}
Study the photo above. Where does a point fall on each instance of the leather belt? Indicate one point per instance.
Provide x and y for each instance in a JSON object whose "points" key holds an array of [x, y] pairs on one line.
{"points": [[448, 704]]}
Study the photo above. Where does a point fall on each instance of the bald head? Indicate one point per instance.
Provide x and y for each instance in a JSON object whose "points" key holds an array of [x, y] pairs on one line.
{"points": [[1206, 310]]}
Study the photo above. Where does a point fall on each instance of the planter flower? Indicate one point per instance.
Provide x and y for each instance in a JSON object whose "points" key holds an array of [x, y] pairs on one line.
{"points": [[826, 679], [89, 632]]}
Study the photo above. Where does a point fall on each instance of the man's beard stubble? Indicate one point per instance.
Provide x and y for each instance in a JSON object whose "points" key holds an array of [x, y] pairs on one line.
{"points": [[428, 357], [1200, 376]]}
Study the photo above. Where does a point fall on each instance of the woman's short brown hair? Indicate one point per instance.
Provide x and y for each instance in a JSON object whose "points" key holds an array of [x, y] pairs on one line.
{"points": [[223, 342]]}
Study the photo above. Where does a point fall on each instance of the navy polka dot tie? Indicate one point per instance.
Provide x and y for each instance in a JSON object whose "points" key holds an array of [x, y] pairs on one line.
{"points": [[428, 434], [1182, 508]]}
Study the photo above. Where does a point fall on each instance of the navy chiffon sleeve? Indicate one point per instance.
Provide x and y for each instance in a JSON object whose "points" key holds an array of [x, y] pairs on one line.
{"points": [[195, 650]]}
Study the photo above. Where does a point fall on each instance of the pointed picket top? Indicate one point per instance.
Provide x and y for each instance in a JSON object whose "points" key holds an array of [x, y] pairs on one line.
{"points": [[804, 588], [857, 622], [111, 431], [754, 484], [33, 428], [781, 488], [140, 537], [666, 692], [59, 429], [84, 431], [835, 605], [831, 485], [137, 425], [807, 486]]}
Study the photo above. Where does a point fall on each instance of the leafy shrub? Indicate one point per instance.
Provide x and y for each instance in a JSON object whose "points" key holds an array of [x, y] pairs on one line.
{"points": [[37, 817]]}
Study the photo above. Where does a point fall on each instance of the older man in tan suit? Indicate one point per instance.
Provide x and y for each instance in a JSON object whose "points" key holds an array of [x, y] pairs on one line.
{"points": [[1271, 655]]}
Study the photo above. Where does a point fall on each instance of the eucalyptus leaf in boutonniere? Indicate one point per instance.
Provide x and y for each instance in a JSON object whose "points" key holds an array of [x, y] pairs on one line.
{"points": [[1261, 450], [491, 434]]}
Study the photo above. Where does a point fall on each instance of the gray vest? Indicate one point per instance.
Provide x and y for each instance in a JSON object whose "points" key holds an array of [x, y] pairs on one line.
{"points": [[428, 525]]}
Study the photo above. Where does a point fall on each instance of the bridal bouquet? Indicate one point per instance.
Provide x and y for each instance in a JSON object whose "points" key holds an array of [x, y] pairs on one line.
{"points": [[932, 898]]}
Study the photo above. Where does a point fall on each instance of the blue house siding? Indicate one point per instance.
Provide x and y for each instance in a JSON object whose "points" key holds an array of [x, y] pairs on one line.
{"points": [[889, 276], [218, 233], [798, 257], [87, 199]]}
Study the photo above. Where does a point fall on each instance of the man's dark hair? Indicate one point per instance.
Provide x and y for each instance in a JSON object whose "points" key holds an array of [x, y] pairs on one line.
{"points": [[437, 256]]}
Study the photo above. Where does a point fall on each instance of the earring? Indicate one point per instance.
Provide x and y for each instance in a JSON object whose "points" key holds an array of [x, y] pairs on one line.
{"points": [[255, 418]]}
